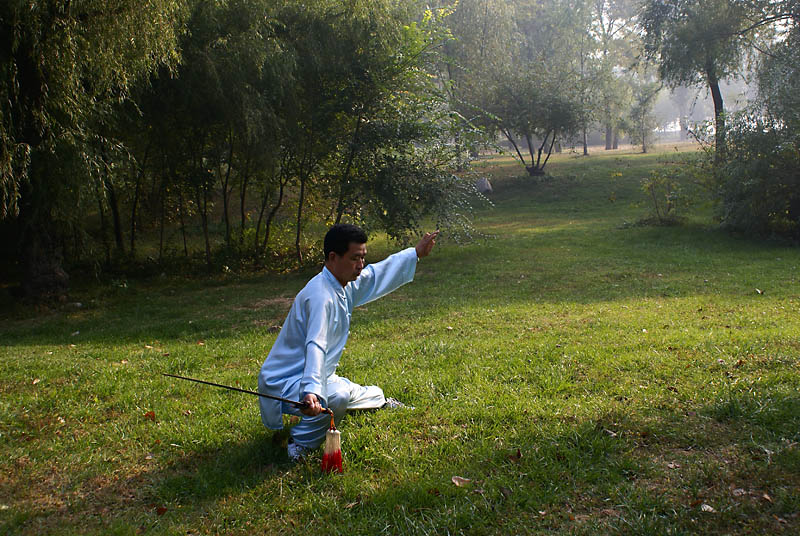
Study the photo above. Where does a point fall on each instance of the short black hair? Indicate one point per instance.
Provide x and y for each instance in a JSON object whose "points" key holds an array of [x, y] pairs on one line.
{"points": [[339, 237]]}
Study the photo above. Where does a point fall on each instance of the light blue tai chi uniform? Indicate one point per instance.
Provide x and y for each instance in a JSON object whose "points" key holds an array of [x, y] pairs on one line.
{"points": [[307, 351]]}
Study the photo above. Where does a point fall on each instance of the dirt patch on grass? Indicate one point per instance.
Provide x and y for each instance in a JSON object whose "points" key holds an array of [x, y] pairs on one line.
{"points": [[281, 303]]}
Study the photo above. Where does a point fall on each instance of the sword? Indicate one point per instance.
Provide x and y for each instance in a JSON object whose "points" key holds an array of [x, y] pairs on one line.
{"points": [[256, 393]]}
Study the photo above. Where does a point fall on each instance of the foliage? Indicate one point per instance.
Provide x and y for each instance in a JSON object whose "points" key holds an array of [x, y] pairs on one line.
{"points": [[617, 48], [536, 94], [695, 39], [664, 192], [62, 66], [278, 112], [758, 186], [699, 42], [779, 78], [758, 181]]}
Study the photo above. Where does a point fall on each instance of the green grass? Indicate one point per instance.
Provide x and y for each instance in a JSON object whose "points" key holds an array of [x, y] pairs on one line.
{"points": [[637, 371]]}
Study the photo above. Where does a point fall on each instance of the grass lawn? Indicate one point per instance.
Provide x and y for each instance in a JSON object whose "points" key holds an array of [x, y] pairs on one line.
{"points": [[585, 374]]}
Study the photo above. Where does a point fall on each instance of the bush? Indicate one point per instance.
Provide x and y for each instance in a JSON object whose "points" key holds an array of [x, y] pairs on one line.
{"points": [[665, 197], [758, 183]]}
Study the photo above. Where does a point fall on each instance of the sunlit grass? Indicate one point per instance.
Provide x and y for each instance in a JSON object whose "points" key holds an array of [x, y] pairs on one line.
{"points": [[587, 375]]}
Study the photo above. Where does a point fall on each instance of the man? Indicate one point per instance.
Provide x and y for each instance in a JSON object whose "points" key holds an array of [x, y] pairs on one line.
{"points": [[302, 363]]}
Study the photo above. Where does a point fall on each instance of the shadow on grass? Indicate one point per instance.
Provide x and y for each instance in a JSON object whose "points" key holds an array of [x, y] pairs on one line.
{"points": [[593, 266], [601, 475], [195, 481]]}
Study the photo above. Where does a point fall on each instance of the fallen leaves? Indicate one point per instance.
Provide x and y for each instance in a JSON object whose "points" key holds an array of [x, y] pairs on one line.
{"points": [[515, 458], [150, 416], [160, 510], [356, 501], [460, 481]]}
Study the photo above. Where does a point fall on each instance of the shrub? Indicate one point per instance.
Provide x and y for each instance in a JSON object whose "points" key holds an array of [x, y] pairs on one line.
{"points": [[758, 183]]}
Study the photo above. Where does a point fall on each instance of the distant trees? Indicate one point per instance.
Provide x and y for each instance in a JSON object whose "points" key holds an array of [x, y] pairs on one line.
{"points": [[516, 71], [641, 120], [613, 25], [698, 42]]}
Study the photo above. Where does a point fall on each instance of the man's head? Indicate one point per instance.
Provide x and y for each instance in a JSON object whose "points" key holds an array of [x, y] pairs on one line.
{"points": [[345, 248]]}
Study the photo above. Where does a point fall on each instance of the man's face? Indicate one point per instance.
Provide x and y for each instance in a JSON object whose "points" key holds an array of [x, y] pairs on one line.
{"points": [[347, 267]]}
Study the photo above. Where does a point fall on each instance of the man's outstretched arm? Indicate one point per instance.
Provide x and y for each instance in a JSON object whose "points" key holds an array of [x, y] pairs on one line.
{"points": [[383, 277]]}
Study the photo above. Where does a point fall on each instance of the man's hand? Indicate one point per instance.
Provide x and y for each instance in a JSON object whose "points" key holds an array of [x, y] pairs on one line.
{"points": [[312, 406], [425, 245]]}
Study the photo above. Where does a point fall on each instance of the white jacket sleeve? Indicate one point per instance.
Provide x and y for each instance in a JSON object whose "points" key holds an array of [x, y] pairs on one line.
{"points": [[383, 277]]}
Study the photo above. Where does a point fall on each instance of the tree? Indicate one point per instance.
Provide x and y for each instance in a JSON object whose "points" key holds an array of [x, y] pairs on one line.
{"points": [[698, 42], [613, 24], [642, 121], [62, 64], [536, 94], [758, 182]]}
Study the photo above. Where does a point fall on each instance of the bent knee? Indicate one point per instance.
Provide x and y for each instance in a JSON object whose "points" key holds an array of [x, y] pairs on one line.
{"points": [[337, 402]]}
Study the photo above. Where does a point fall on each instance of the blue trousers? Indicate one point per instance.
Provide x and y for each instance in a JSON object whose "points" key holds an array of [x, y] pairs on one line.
{"points": [[343, 395]]}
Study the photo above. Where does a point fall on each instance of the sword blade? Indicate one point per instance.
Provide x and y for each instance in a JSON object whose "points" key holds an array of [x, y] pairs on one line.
{"points": [[255, 393]]}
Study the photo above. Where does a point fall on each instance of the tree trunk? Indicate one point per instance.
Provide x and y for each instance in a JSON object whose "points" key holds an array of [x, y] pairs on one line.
{"points": [[115, 219], [609, 136], [271, 216], [615, 145], [643, 132], [555, 135], [103, 226], [182, 220], [162, 218], [135, 203], [40, 241], [299, 218], [202, 205], [719, 115], [42, 260], [514, 144], [225, 191], [243, 198], [585, 144], [346, 175]]}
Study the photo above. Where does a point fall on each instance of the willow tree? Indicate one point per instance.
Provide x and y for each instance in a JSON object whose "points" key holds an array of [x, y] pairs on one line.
{"points": [[699, 42], [62, 64]]}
